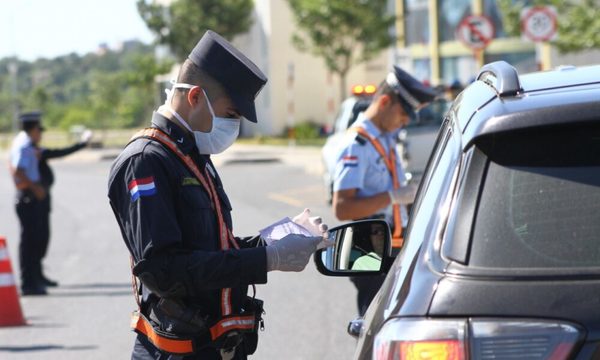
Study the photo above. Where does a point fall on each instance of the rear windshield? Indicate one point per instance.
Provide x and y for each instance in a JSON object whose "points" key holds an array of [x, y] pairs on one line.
{"points": [[540, 202]]}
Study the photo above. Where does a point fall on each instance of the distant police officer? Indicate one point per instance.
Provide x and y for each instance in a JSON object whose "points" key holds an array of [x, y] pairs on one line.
{"points": [[24, 166], [47, 180], [175, 217], [369, 181]]}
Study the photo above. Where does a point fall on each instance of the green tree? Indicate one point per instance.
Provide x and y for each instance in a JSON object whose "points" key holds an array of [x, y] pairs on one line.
{"points": [[181, 24], [578, 22], [343, 32], [114, 89]]}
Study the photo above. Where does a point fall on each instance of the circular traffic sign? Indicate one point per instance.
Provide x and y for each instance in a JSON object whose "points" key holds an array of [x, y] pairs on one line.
{"points": [[476, 31], [538, 23]]}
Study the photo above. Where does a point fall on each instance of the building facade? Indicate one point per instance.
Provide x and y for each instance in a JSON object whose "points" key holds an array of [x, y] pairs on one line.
{"points": [[300, 88]]}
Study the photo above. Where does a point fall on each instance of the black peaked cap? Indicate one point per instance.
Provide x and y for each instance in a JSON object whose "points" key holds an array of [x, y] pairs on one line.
{"points": [[241, 78], [31, 116], [411, 90], [30, 119]]}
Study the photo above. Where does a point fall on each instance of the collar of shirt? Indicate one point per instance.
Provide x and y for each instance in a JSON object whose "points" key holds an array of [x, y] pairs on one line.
{"points": [[22, 140], [388, 137], [183, 140]]}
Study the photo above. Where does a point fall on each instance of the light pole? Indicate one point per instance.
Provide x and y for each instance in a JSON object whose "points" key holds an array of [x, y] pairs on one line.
{"points": [[13, 69]]}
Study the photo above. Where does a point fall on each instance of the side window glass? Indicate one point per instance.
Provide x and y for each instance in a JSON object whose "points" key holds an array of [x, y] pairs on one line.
{"points": [[431, 115], [433, 193], [440, 143]]}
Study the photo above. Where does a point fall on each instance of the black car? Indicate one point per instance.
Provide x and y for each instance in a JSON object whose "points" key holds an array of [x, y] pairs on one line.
{"points": [[502, 251]]}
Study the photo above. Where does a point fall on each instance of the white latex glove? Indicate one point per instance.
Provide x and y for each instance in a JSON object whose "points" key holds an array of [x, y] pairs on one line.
{"points": [[403, 196], [86, 136], [313, 224], [292, 252]]}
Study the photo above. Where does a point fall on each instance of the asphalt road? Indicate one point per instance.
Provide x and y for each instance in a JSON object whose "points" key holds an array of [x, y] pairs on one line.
{"points": [[87, 317]]}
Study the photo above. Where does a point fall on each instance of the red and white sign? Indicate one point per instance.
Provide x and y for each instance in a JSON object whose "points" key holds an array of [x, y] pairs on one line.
{"points": [[538, 23], [476, 31]]}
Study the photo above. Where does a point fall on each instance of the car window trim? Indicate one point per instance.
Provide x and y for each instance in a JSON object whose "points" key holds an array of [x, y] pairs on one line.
{"points": [[459, 233]]}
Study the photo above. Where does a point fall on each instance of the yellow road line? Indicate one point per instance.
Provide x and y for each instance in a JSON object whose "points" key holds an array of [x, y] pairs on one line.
{"points": [[285, 199]]}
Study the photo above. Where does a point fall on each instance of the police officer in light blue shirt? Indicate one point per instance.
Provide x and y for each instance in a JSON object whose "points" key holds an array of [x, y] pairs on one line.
{"points": [[24, 166], [361, 167], [369, 180]]}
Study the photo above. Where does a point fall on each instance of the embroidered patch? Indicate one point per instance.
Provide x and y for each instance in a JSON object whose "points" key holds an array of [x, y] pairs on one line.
{"points": [[350, 161], [190, 181], [141, 187]]}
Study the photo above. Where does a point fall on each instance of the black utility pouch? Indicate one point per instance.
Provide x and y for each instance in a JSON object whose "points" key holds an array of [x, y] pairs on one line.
{"points": [[176, 318], [253, 305]]}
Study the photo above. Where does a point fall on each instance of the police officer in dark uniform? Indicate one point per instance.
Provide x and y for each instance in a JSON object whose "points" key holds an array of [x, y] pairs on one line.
{"points": [[47, 180], [369, 179], [24, 166], [175, 217]]}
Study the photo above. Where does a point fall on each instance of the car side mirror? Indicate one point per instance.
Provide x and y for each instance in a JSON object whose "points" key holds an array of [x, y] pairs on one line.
{"points": [[360, 248]]}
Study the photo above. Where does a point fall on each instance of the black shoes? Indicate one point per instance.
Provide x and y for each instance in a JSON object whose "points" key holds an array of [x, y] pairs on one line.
{"points": [[47, 282], [33, 290]]}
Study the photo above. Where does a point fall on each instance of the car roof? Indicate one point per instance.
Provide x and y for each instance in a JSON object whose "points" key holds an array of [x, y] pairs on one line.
{"points": [[500, 100]]}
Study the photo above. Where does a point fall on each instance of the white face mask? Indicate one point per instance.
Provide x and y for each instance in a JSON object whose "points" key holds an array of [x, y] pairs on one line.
{"points": [[222, 135], [224, 131]]}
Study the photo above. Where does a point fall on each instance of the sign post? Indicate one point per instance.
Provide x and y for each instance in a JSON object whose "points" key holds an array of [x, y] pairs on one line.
{"points": [[539, 24], [476, 32]]}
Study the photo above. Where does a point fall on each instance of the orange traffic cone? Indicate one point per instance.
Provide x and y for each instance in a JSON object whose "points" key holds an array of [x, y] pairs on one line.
{"points": [[10, 310]]}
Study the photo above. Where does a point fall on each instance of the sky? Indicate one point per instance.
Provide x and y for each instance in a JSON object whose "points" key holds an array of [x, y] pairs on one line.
{"points": [[31, 29]]}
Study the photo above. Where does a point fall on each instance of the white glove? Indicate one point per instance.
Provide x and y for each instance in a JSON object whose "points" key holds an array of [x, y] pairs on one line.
{"points": [[292, 252], [86, 136], [403, 196], [313, 224]]}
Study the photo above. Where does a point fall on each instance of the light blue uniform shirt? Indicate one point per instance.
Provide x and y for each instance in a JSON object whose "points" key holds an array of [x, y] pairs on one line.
{"points": [[359, 166], [23, 156]]}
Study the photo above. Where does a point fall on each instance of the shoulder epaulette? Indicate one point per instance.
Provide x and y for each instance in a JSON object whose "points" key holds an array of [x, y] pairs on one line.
{"points": [[360, 139]]}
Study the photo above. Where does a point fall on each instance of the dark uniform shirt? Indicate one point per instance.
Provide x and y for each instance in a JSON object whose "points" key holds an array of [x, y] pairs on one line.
{"points": [[163, 211]]}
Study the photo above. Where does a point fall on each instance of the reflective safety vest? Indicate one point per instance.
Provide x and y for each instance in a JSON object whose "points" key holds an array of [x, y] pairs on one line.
{"points": [[228, 322], [390, 163]]}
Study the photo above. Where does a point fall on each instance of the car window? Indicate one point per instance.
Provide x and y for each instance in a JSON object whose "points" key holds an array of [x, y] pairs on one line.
{"points": [[437, 181], [341, 119], [431, 115], [540, 201]]}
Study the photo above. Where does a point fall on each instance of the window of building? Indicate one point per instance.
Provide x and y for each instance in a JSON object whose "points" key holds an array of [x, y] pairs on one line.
{"points": [[422, 69], [450, 14], [416, 21]]}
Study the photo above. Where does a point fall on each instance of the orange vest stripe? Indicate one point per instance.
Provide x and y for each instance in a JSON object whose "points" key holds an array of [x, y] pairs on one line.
{"points": [[208, 185], [390, 163], [140, 324], [231, 323]]}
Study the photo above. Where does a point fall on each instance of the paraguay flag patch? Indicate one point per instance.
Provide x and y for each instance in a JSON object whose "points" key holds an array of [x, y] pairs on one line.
{"points": [[141, 187], [350, 161]]}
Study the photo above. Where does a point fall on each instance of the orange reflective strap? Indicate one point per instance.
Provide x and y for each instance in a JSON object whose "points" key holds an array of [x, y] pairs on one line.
{"points": [[164, 139], [390, 162], [232, 240], [141, 325], [223, 231], [207, 183], [232, 323]]}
